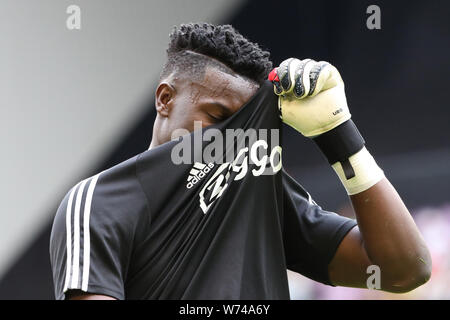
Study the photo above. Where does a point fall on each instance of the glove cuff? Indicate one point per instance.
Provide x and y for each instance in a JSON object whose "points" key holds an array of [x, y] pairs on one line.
{"points": [[344, 148], [366, 172], [341, 142]]}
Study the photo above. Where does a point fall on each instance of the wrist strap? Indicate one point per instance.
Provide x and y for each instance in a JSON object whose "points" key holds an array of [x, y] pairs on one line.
{"points": [[365, 169], [340, 143], [344, 149]]}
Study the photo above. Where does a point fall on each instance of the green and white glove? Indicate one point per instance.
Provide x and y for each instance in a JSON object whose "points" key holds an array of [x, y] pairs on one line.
{"points": [[312, 100]]}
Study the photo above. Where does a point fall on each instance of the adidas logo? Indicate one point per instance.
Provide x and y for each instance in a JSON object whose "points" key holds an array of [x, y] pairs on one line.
{"points": [[198, 171]]}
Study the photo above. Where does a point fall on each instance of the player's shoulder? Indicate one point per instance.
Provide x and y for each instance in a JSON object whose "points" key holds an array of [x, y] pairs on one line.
{"points": [[114, 192], [120, 178], [115, 182]]}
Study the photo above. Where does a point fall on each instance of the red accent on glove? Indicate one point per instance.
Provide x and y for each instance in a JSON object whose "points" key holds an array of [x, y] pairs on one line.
{"points": [[273, 76]]}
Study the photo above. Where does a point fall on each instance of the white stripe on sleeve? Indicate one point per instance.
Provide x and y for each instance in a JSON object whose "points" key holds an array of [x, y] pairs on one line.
{"points": [[86, 233], [69, 238], [76, 237]]}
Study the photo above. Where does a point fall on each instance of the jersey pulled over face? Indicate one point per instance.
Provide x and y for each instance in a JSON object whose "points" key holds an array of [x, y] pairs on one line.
{"points": [[152, 229], [209, 99]]}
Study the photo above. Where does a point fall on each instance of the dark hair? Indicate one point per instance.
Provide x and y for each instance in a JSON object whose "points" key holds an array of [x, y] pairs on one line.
{"points": [[193, 46]]}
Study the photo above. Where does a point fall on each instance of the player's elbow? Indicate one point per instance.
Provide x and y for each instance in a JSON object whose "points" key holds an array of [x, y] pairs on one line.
{"points": [[412, 278]]}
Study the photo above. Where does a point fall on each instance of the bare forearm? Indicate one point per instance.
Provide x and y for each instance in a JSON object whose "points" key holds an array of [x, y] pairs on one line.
{"points": [[391, 238]]}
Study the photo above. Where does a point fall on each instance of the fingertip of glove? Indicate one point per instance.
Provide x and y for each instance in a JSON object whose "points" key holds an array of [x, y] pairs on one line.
{"points": [[273, 76]]}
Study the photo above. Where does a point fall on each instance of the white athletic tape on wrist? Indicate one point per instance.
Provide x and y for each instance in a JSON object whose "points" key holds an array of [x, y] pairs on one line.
{"points": [[367, 172]]}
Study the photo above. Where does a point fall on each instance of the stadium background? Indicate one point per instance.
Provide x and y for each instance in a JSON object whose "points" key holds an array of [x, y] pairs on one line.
{"points": [[76, 102]]}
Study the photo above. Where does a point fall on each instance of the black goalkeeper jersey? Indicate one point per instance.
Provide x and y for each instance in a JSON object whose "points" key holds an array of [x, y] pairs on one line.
{"points": [[152, 229]]}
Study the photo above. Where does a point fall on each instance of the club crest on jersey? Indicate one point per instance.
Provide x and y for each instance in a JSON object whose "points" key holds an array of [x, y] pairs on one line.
{"points": [[198, 171]]}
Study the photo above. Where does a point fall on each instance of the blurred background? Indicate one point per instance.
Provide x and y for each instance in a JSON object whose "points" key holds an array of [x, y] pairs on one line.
{"points": [[74, 102]]}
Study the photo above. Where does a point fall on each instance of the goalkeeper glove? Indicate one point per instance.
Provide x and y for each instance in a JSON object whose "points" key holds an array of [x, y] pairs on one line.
{"points": [[312, 100]]}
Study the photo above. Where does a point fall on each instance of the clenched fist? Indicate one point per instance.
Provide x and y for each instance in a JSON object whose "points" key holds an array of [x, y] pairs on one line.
{"points": [[311, 95]]}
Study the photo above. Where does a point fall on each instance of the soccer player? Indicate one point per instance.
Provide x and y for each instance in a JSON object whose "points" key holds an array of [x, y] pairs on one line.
{"points": [[124, 234]]}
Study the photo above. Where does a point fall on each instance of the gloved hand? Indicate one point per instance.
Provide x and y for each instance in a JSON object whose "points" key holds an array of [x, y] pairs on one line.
{"points": [[311, 99], [311, 95]]}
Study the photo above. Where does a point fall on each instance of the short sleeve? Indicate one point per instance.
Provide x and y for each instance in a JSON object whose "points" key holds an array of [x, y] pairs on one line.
{"points": [[311, 235], [93, 232]]}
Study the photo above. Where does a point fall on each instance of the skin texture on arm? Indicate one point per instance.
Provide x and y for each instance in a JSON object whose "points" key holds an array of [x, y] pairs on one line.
{"points": [[386, 236]]}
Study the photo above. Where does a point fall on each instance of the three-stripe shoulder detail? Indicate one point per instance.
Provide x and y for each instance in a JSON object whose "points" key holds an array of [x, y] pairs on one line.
{"points": [[78, 213]]}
